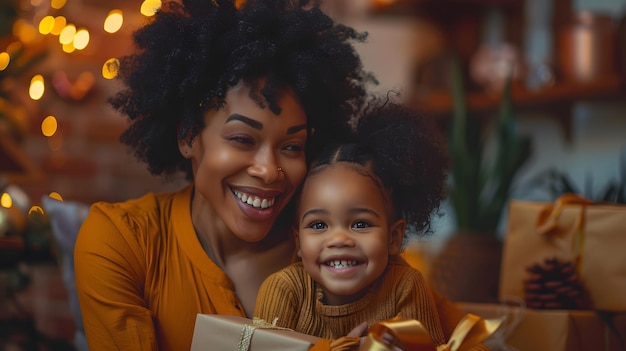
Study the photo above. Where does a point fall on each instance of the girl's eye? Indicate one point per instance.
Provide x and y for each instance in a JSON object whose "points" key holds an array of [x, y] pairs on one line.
{"points": [[361, 225], [318, 225]]}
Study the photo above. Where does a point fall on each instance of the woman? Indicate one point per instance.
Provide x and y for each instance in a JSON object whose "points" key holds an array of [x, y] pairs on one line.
{"points": [[232, 96], [236, 97]]}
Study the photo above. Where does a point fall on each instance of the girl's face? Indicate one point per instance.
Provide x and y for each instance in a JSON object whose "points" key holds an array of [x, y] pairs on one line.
{"points": [[344, 234], [235, 160]]}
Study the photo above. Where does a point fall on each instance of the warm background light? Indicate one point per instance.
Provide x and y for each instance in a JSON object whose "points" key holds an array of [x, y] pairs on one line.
{"points": [[37, 87], [5, 59], [24, 31], [59, 23], [81, 39], [110, 68], [46, 25], [49, 126], [57, 4], [6, 201], [36, 209], [114, 21], [56, 196], [150, 7], [67, 34]]}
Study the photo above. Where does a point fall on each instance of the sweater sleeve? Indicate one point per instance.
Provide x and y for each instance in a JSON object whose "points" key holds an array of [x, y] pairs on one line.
{"points": [[415, 301], [109, 271], [278, 298], [450, 316]]}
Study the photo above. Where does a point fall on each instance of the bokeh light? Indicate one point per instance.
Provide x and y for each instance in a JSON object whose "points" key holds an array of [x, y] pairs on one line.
{"points": [[56, 196], [110, 68], [49, 126], [67, 34], [36, 209], [6, 201], [114, 21], [150, 7], [59, 23], [46, 25], [5, 59], [37, 87], [57, 4], [81, 39], [25, 31]]}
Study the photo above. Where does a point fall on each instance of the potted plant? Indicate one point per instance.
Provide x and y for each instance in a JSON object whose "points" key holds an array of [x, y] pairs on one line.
{"points": [[485, 162]]}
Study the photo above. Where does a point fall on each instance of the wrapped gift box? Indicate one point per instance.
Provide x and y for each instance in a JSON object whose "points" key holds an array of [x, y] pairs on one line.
{"points": [[554, 330], [219, 332]]}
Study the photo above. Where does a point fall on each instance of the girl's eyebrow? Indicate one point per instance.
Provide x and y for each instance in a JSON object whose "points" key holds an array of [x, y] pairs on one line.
{"points": [[247, 120]]}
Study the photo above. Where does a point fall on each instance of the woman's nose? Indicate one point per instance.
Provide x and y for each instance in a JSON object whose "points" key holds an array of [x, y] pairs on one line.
{"points": [[266, 168]]}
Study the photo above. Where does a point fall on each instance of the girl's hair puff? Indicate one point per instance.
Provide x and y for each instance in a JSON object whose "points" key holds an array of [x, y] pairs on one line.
{"points": [[192, 52], [404, 150]]}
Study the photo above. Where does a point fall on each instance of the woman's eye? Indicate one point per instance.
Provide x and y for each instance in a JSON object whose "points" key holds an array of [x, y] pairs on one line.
{"points": [[294, 147], [241, 139], [361, 225]]}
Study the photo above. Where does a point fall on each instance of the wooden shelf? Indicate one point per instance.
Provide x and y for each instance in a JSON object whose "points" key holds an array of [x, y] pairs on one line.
{"points": [[439, 104]]}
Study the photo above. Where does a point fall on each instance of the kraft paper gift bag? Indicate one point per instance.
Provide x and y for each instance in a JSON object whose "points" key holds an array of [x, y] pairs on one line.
{"points": [[573, 228], [219, 332]]}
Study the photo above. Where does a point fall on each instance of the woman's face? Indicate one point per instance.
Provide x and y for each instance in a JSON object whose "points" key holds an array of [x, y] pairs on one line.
{"points": [[235, 160], [345, 236]]}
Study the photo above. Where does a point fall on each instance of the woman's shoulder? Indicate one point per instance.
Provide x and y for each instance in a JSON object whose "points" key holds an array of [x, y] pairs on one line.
{"points": [[136, 216]]}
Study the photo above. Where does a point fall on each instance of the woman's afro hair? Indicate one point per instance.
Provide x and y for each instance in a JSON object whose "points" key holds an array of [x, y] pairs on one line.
{"points": [[190, 54]]}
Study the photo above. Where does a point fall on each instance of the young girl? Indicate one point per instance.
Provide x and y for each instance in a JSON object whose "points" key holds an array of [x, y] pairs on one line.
{"points": [[359, 203]]}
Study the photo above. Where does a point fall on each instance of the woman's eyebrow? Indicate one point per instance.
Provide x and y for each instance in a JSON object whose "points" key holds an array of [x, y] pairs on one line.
{"points": [[295, 129], [247, 120]]}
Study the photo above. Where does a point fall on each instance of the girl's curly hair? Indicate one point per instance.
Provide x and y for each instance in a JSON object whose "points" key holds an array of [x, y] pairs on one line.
{"points": [[405, 152], [192, 53]]}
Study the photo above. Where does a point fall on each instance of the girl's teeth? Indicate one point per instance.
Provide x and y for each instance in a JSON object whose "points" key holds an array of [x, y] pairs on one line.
{"points": [[342, 264]]}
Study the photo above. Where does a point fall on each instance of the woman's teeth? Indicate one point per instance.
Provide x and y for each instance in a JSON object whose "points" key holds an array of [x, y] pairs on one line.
{"points": [[340, 264], [255, 201]]}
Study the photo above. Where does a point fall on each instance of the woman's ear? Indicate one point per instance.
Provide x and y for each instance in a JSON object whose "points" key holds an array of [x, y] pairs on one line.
{"points": [[396, 236], [185, 148]]}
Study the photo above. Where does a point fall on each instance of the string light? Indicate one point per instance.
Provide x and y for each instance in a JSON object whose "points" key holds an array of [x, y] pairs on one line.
{"points": [[6, 201], [5, 59], [67, 34], [57, 4], [37, 87], [35, 209], [59, 23], [114, 21], [150, 7], [81, 39], [46, 25], [110, 68], [49, 126]]}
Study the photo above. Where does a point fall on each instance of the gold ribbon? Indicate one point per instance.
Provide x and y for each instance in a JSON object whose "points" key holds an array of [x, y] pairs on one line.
{"points": [[410, 335], [248, 331], [547, 221]]}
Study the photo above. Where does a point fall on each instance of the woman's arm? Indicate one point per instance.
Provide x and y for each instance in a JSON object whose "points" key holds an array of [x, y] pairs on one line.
{"points": [[110, 276]]}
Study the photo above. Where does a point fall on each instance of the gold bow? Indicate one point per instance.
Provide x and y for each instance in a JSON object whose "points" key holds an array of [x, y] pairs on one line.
{"points": [[248, 330], [410, 335]]}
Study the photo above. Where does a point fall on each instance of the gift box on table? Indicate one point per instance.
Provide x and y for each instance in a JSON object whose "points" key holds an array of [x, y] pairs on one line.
{"points": [[219, 332], [555, 330]]}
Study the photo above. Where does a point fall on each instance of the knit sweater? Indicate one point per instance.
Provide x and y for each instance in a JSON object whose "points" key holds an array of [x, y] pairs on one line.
{"points": [[295, 299]]}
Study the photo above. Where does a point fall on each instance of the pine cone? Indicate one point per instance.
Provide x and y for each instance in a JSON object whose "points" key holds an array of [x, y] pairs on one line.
{"points": [[554, 284]]}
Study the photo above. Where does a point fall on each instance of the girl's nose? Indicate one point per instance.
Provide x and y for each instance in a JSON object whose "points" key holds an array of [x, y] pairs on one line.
{"points": [[339, 238]]}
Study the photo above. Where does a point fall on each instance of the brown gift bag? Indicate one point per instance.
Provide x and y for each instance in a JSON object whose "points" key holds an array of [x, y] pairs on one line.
{"points": [[572, 228]]}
